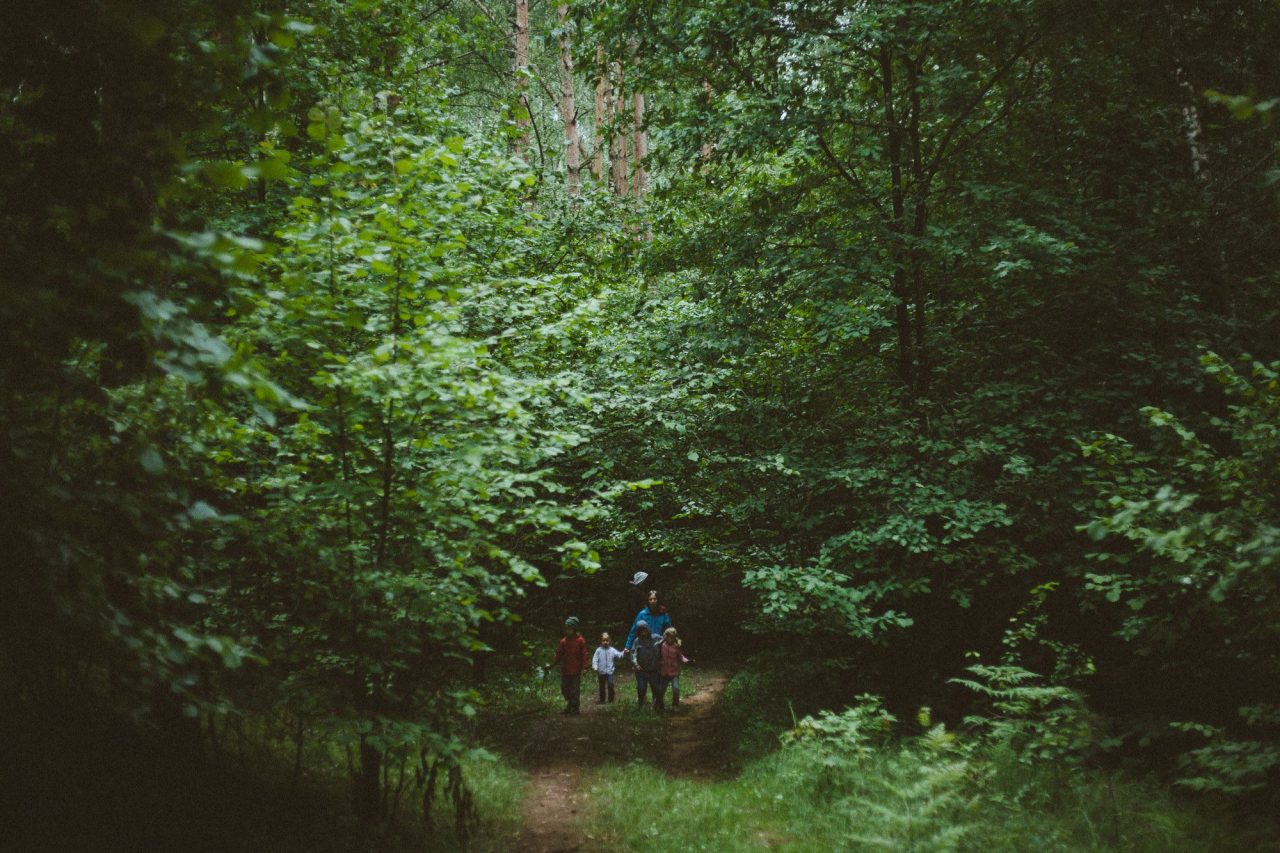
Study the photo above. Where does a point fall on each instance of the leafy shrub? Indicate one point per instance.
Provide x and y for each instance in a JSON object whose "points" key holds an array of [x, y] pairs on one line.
{"points": [[1199, 519]]}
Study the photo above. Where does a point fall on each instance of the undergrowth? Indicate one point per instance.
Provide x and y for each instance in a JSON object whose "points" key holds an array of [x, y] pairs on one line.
{"points": [[770, 693], [84, 780], [846, 781]]}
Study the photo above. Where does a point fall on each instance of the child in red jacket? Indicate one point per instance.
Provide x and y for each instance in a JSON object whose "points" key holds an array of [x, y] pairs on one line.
{"points": [[669, 669], [573, 660]]}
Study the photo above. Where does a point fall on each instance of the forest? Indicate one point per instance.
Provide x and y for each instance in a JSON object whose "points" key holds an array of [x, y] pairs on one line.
{"points": [[923, 355]]}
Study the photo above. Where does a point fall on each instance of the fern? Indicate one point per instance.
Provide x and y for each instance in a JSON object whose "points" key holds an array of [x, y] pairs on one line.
{"points": [[1039, 721], [915, 803]]}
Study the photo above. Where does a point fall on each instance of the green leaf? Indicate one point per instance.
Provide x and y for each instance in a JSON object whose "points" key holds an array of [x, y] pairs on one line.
{"points": [[152, 461], [201, 511]]}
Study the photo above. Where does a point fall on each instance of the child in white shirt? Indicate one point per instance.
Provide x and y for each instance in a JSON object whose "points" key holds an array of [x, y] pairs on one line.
{"points": [[603, 663]]}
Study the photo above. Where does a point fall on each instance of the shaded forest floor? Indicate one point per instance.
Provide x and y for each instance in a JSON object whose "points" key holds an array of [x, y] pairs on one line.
{"points": [[569, 759], [617, 777], [623, 778]]}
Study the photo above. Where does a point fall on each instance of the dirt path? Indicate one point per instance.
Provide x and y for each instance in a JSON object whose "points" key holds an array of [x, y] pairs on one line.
{"points": [[552, 811], [561, 750], [695, 748]]}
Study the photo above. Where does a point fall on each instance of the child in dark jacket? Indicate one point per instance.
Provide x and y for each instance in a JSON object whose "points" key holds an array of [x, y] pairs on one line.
{"points": [[573, 660], [648, 661]]}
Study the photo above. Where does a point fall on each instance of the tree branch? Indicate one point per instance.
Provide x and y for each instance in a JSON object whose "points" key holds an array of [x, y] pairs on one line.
{"points": [[852, 179], [949, 135]]}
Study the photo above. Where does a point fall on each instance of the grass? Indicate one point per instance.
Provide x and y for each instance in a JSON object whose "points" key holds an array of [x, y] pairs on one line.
{"points": [[499, 789], [519, 708], [799, 799], [88, 782]]}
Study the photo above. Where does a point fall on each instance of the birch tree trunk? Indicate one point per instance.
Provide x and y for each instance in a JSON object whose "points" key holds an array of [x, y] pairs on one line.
{"points": [[568, 109], [1193, 130], [639, 146], [523, 117], [1213, 272]]}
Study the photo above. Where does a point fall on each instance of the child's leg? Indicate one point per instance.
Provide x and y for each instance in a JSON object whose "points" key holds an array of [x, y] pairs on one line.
{"points": [[575, 692], [659, 693], [675, 691], [601, 679], [609, 678], [566, 691], [641, 681]]}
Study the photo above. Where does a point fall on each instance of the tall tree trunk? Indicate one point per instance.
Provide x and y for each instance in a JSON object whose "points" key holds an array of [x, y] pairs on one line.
{"points": [[639, 146], [523, 116], [1205, 252], [901, 286], [919, 222], [1194, 130], [705, 152], [369, 783], [602, 118], [568, 109], [618, 139]]}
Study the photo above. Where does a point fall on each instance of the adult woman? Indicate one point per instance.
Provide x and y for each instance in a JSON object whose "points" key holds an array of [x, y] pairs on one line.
{"points": [[654, 615]]}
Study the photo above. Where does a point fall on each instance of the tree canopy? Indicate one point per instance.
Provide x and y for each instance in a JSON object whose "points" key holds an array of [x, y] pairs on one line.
{"points": [[345, 342]]}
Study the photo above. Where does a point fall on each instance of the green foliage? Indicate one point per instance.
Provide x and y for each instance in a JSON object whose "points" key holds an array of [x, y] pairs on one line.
{"points": [[877, 318], [1037, 721], [315, 389], [858, 731], [1202, 511], [107, 281], [934, 791], [291, 473]]}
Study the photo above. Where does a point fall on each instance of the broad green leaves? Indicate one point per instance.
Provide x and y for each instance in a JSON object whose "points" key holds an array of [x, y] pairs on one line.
{"points": [[1202, 513]]}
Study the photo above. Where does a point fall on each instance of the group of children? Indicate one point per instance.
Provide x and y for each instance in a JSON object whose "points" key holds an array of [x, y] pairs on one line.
{"points": [[657, 660]]}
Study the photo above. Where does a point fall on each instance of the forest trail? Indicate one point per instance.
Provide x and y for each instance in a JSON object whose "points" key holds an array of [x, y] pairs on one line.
{"points": [[562, 752]]}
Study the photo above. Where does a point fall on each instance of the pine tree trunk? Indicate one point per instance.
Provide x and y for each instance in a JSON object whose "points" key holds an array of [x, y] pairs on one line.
{"points": [[602, 99], [568, 108], [617, 139]]}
